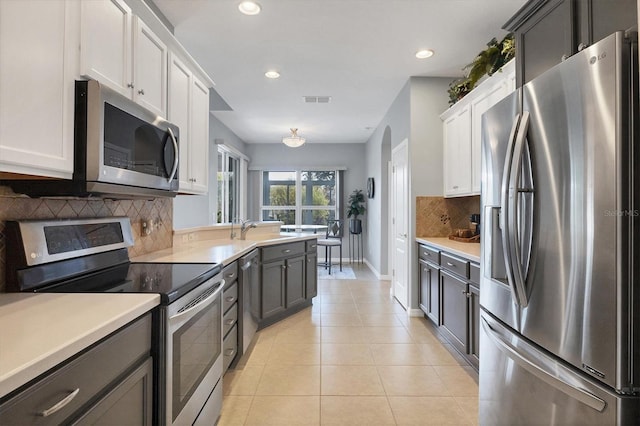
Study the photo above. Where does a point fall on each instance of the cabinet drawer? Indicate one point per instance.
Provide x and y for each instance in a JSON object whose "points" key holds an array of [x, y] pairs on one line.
{"points": [[455, 264], [229, 297], [429, 254], [230, 348], [474, 273], [282, 250], [311, 246], [230, 319], [89, 375], [230, 274]]}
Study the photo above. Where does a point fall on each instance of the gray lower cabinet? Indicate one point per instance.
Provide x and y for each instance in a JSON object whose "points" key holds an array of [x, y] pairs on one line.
{"points": [[231, 310], [473, 349], [449, 295], [429, 290], [110, 383], [273, 288], [288, 281], [454, 309], [312, 272]]}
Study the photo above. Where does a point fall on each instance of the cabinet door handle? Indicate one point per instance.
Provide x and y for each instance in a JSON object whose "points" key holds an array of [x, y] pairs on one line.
{"points": [[465, 293], [314, 245], [455, 187], [230, 321], [286, 251], [60, 404], [451, 264], [231, 275], [229, 352], [230, 299], [141, 92], [130, 85], [582, 46], [564, 58], [284, 267], [425, 270]]}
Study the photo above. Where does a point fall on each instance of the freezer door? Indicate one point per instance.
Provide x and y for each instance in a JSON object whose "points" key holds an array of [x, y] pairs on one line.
{"points": [[520, 384], [576, 279], [499, 129]]}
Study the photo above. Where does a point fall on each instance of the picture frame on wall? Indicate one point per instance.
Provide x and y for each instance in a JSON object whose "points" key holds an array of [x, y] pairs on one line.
{"points": [[370, 187]]}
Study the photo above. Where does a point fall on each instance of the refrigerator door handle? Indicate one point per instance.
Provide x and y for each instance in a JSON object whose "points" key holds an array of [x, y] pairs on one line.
{"points": [[543, 367], [512, 214], [504, 210]]}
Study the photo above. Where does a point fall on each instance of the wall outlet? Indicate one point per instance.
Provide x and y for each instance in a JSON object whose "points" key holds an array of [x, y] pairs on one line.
{"points": [[192, 236]]}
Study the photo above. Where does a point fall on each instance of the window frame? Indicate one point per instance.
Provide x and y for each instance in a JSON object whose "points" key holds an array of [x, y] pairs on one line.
{"points": [[299, 207]]}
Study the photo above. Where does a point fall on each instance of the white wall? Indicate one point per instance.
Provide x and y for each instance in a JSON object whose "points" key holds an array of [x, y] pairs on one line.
{"points": [[397, 121]]}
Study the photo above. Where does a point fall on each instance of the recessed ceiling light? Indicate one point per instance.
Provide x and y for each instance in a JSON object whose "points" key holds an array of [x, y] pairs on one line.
{"points": [[249, 7], [423, 54], [272, 74]]}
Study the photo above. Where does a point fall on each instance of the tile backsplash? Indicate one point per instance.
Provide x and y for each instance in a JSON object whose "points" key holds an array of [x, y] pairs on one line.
{"points": [[14, 207], [439, 216]]}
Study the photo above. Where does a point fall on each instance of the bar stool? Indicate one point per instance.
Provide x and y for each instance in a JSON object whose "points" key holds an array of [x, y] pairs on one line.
{"points": [[333, 238]]}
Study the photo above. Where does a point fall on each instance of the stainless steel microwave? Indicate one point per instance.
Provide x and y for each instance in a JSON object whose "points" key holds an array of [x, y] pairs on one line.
{"points": [[121, 150]]}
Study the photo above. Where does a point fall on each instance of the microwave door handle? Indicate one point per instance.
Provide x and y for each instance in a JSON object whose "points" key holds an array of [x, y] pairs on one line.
{"points": [[176, 152], [504, 210]]}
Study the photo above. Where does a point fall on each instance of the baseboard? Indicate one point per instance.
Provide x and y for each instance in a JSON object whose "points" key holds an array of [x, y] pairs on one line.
{"points": [[415, 312], [375, 271]]}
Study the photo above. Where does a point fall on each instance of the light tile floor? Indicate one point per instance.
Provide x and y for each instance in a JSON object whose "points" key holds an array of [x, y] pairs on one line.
{"points": [[354, 358]]}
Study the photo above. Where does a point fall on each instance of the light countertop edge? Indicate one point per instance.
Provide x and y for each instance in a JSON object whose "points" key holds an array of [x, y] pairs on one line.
{"points": [[40, 331], [469, 251], [222, 251]]}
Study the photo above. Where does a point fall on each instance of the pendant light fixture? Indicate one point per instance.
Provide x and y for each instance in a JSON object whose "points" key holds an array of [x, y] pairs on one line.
{"points": [[294, 140]]}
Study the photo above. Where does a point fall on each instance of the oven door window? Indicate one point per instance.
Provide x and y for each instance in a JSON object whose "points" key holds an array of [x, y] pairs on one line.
{"points": [[197, 344], [132, 144]]}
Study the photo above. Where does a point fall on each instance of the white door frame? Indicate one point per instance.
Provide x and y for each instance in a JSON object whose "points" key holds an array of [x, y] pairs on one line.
{"points": [[401, 266]]}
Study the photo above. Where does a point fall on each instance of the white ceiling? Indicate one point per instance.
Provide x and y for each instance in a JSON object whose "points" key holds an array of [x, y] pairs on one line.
{"points": [[359, 52]]}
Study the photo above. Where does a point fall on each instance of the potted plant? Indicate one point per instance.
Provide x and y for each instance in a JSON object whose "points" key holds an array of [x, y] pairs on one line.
{"points": [[356, 208]]}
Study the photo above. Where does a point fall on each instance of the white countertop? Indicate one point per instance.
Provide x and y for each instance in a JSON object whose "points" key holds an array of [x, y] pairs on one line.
{"points": [[469, 251], [39, 331], [222, 251]]}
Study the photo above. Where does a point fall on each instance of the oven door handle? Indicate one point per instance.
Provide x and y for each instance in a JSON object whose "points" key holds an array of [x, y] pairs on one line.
{"points": [[176, 153], [200, 303]]}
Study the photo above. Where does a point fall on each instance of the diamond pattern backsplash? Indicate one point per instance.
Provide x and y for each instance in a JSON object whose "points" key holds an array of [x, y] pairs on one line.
{"points": [[439, 216], [14, 207]]}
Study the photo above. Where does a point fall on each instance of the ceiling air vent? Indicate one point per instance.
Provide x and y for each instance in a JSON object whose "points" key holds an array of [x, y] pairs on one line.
{"points": [[317, 99]]}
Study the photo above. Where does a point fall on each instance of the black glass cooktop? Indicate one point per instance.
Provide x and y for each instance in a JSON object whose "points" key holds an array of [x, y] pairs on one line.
{"points": [[170, 280]]}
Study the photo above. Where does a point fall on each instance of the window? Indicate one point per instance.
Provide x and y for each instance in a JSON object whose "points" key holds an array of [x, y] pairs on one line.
{"points": [[300, 197], [228, 187]]}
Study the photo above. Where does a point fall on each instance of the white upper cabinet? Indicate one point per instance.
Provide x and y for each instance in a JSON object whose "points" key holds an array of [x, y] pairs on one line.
{"points": [[38, 70], [462, 133], [457, 159], [199, 139], [189, 109], [120, 51], [150, 69]]}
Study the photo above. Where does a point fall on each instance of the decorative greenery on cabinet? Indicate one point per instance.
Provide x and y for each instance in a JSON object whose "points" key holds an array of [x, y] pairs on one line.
{"points": [[487, 62]]}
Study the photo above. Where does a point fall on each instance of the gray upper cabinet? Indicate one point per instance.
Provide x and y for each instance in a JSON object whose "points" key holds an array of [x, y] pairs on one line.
{"points": [[547, 31]]}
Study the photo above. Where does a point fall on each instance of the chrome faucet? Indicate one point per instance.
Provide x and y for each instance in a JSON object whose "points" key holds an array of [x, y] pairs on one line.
{"points": [[244, 228]]}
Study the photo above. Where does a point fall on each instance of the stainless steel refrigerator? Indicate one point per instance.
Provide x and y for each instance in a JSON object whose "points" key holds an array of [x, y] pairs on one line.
{"points": [[560, 289]]}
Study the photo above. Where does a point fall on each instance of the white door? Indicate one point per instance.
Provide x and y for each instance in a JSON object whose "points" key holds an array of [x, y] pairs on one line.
{"points": [[400, 223]]}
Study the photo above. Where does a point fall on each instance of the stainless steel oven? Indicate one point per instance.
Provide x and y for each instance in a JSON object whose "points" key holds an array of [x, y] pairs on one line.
{"points": [[194, 355], [90, 255]]}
